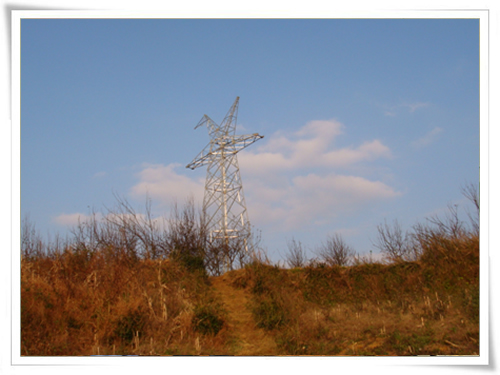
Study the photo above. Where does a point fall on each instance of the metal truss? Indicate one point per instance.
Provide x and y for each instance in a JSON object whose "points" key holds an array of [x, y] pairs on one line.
{"points": [[223, 202]]}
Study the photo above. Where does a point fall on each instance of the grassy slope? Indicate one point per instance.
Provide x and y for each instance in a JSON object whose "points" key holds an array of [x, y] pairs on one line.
{"points": [[107, 303], [428, 307]]}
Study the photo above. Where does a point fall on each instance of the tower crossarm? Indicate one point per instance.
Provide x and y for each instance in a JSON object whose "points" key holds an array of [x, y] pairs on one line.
{"points": [[204, 157], [227, 145], [239, 142]]}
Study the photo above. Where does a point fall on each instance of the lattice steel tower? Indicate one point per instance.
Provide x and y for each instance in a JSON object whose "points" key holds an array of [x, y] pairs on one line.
{"points": [[224, 203]]}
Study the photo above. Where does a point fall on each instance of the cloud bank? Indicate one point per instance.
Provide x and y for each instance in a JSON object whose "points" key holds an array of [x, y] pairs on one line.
{"points": [[70, 220], [166, 185], [309, 147], [291, 180]]}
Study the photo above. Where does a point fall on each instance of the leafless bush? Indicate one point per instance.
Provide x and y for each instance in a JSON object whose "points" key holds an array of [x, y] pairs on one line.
{"points": [[251, 246], [33, 245], [124, 232], [227, 254], [296, 256], [450, 225], [31, 241], [187, 237], [395, 244], [259, 256], [470, 191], [222, 256], [136, 232], [87, 234], [335, 251], [215, 259], [440, 230], [423, 237], [121, 230]]}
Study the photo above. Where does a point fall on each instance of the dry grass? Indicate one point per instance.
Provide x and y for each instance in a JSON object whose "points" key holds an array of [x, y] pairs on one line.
{"points": [[379, 329], [425, 307], [104, 304], [71, 306]]}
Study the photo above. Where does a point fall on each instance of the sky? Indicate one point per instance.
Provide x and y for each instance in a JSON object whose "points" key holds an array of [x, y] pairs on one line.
{"points": [[364, 120]]}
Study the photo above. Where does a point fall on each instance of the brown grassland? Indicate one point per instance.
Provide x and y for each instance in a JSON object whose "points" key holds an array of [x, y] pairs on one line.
{"points": [[112, 299]]}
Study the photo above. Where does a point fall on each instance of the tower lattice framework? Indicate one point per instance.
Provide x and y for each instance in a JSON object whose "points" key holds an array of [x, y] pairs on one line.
{"points": [[226, 216]]}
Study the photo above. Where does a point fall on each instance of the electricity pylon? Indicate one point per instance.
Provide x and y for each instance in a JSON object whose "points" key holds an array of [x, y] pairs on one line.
{"points": [[226, 216]]}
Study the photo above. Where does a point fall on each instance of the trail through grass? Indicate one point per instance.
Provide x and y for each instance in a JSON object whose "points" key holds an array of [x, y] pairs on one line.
{"points": [[247, 338]]}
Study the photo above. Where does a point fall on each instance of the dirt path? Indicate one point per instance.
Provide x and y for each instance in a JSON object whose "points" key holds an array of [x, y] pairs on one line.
{"points": [[249, 339]]}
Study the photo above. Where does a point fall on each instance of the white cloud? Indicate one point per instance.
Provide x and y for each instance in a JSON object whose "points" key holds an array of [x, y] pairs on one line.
{"points": [[71, 220], [309, 147], [368, 151], [326, 129], [427, 139], [164, 184], [313, 199]]}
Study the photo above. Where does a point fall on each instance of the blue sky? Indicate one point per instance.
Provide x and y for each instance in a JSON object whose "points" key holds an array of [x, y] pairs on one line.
{"points": [[364, 120]]}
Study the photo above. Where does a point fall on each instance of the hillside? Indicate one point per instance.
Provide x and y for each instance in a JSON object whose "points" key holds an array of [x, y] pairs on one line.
{"points": [[76, 304]]}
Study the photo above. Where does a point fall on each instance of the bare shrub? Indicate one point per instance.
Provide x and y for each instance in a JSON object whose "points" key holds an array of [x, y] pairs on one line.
{"points": [[186, 237], [131, 235], [214, 259], [228, 254], [335, 252], [447, 233], [394, 243], [138, 233], [259, 256], [450, 225], [222, 255], [123, 230], [470, 191], [34, 246], [31, 241], [296, 256]]}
